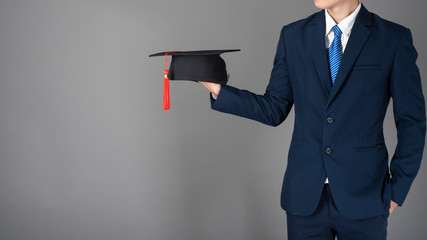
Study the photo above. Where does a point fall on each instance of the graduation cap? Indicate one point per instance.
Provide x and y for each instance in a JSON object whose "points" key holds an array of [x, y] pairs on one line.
{"points": [[202, 65]]}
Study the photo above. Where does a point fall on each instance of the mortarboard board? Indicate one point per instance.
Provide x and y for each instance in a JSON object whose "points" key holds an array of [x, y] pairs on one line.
{"points": [[202, 65]]}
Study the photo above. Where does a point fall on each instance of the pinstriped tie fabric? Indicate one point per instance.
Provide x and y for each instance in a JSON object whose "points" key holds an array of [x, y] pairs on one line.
{"points": [[335, 51]]}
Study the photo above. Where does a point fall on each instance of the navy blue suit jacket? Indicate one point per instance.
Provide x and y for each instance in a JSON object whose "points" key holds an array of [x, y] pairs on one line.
{"points": [[338, 130]]}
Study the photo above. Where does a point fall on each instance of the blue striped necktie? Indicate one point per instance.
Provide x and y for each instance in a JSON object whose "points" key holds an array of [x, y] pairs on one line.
{"points": [[335, 51]]}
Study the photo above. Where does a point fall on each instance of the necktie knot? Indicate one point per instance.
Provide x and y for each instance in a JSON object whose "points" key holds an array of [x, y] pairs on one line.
{"points": [[337, 31]]}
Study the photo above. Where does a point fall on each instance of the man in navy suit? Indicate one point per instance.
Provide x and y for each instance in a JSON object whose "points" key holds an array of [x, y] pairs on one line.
{"points": [[340, 67]]}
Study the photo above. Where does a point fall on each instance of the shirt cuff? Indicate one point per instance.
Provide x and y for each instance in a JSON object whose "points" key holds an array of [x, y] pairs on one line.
{"points": [[214, 96]]}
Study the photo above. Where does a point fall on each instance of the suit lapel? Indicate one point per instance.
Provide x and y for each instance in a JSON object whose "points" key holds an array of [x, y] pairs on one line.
{"points": [[318, 51], [359, 34]]}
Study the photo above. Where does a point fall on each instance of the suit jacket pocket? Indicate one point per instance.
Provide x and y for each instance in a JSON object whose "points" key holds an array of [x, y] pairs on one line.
{"points": [[367, 66], [369, 147], [297, 139]]}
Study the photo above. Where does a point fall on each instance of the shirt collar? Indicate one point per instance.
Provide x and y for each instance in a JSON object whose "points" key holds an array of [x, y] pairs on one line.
{"points": [[345, 25]]}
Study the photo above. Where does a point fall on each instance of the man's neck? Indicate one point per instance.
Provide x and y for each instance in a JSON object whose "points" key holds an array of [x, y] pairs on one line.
{"points": [[341, 11]]}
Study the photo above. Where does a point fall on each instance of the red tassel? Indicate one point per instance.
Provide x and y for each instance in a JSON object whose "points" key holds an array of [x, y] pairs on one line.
{"points": [[166, 97]]}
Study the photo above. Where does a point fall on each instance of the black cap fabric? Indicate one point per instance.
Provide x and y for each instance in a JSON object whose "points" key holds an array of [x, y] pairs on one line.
{"points": [[202, 65]]}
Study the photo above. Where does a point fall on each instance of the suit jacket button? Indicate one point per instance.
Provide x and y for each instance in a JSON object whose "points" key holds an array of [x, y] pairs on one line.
{"points": [[328, 150], [330, 119]]}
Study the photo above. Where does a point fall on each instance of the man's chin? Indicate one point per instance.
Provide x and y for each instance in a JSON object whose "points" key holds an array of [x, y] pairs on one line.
{"points": [[319, 5]]}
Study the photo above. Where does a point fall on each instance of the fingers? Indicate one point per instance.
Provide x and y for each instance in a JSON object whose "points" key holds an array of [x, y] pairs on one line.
{"points": [[212, 87]]}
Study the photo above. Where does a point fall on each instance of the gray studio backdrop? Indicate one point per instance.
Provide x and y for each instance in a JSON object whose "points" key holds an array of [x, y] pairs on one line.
{"points": [[87, 153]]}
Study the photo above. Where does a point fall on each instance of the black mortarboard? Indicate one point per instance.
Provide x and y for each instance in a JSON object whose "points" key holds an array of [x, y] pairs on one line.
{"points": [[202, 65]]}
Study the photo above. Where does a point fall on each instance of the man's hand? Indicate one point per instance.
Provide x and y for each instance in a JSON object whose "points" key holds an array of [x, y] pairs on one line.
{"points": [[212, 87], [393, 205]]}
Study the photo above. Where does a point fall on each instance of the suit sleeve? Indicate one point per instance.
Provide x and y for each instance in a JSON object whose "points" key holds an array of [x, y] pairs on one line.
{"points": [[273, 106], [409, 116]]}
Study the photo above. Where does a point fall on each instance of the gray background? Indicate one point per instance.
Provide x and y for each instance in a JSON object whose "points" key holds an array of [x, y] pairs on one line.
{"points": [[87, 153]]}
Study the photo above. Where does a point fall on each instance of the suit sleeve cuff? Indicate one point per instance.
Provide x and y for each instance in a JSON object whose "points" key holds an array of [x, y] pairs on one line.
{"points": [[222, 97]]}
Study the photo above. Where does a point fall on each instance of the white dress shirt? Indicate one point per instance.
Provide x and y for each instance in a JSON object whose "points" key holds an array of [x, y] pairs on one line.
{"points": [[345, 25]]}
